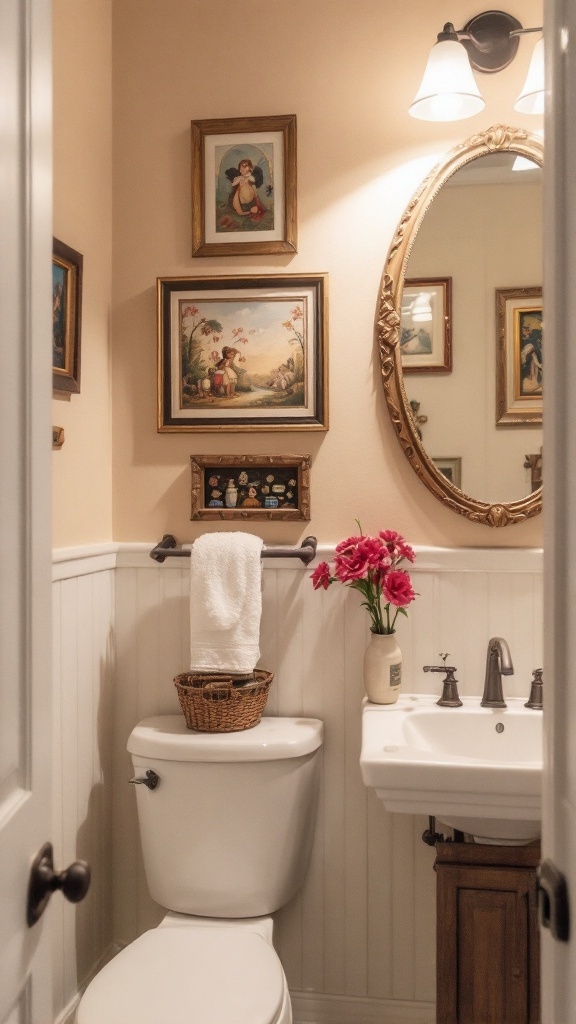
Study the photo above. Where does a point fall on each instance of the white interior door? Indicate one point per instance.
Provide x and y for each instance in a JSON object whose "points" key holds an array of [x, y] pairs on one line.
{"points": [[25, 566], [559, 812]]}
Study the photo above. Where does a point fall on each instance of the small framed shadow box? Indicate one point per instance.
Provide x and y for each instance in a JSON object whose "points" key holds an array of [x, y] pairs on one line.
{"points": [[250, 487]]}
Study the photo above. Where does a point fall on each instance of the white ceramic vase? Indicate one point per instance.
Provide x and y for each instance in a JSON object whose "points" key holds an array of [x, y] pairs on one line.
{"points": [[382, 668]]}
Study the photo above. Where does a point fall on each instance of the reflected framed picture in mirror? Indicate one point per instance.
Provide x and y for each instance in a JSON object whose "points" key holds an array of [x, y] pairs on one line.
{"points": [[451, 468], [519, 365], [425, 326]]}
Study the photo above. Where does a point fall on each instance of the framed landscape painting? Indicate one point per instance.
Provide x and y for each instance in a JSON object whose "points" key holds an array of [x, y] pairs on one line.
{"points": [[243, 353], [244, 186], [426, 325]]}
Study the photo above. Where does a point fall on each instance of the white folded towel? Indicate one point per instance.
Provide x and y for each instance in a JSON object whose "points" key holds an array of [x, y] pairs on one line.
{"points": [[225, 602]]}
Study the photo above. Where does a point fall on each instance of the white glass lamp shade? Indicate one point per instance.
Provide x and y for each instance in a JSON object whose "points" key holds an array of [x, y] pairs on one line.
{"points": [[531, 98], [448, 91]]}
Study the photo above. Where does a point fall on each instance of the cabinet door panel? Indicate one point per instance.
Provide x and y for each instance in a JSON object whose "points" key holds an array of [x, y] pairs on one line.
{"points": [[487, 936], [491, 954]]}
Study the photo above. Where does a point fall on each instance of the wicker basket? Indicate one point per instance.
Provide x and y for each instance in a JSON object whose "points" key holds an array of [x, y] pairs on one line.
{"points": [[211, 703]]}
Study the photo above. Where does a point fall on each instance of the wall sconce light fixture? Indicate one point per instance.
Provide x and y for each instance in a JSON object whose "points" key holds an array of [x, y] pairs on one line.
{"points": [[488, 43]]}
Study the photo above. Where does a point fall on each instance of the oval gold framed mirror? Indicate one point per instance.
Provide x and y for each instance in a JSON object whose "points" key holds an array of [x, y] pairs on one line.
{"points": [[460, 328]]}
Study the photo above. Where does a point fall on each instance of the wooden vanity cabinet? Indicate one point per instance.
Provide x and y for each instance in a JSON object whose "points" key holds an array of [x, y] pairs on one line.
{"points": [[487, 934]]}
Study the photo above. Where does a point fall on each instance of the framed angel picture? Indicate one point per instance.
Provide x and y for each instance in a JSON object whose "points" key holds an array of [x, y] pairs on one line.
{"points": [[244, 186]]}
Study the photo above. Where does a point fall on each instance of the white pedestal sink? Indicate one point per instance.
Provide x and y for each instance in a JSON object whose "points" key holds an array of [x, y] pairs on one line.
{"points": [[476, 769]]}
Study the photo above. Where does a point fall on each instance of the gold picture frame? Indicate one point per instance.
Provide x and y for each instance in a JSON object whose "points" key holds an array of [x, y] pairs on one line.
{"points": [[244, 186], [229, 487], [519, 342]]}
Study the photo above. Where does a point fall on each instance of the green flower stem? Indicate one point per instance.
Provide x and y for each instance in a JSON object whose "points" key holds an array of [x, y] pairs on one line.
{"points": [[372, 595]]}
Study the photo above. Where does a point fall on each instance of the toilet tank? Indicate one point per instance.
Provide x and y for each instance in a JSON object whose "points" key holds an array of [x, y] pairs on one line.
{"points": [[228, 830]]}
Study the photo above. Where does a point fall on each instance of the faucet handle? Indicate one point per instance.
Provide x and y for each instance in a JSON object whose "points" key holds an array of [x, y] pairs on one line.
{"points": [[535, 698], [450, 697]]}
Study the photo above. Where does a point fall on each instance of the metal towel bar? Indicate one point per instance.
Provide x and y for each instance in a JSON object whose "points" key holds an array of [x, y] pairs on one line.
{"points": [[166, 548]]}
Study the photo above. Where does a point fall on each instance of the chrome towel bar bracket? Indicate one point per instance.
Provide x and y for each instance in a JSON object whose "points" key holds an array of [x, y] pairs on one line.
{"points": [[166, 548]]}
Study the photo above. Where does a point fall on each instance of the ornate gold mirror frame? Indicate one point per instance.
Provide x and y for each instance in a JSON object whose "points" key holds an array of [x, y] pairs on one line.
{"points": [[497, 139]]}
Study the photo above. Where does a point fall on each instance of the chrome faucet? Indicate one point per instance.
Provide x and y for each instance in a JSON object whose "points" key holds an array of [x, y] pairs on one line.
{"points": [[498, 664]]}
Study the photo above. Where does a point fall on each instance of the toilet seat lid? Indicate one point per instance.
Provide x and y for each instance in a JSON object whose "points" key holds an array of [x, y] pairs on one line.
{"points": [[188, 976]]}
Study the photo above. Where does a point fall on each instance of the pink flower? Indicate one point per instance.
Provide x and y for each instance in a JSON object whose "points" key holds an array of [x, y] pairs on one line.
{"points": [[357, 556], [370, 566], [397, 588], [396, 545], [349, 543], [321, 576]]}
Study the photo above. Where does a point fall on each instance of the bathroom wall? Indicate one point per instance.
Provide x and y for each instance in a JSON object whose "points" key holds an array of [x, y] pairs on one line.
{"points": [[349, 78], [359, 944]]}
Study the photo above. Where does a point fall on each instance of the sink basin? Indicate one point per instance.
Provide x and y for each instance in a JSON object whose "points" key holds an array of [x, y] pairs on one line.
{"points": [[476, 769]]}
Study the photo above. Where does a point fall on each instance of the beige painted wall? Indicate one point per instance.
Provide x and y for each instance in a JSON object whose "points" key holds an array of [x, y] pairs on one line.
{"points": [[349, 80], [82, 34]]}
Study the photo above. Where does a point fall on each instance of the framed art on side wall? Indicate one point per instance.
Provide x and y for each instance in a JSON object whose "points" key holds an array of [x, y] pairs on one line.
{"points": [[244, 186], [66, 316], [426, 325], [243, 353]]}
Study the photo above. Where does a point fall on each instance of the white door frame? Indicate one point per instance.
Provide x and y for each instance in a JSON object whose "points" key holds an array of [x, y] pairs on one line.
{"points": [[25, 523], [559, 797]]}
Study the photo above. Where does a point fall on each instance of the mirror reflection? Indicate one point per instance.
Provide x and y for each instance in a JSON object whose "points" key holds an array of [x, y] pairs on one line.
{"points": [[471, 328]]}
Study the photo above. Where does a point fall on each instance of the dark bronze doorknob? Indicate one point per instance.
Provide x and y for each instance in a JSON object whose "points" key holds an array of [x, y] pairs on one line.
{"points": [[74, 883]]}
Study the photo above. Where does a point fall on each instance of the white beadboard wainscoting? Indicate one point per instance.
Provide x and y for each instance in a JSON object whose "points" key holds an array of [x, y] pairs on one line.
{"points": [[83, 680], [358, 943]]}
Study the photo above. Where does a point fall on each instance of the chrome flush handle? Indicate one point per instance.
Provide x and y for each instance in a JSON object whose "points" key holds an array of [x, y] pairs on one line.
{"points": [[151, 780]]}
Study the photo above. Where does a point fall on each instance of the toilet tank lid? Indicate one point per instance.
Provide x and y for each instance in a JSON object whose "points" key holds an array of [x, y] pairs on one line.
{"points": [[167, 738]]}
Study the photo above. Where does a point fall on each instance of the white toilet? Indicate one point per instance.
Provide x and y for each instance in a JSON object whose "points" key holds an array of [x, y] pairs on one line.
{"points": [[226, 837]]}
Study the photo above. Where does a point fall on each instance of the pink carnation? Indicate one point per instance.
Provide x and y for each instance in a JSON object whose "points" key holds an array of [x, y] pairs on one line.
{"points": [[349, 544], [397, 588], [369, 565], [358, 556], [321, 576], [396, 545]]}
